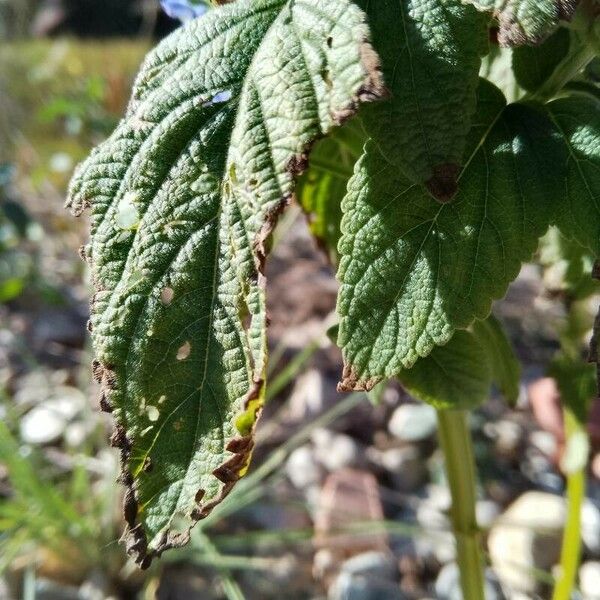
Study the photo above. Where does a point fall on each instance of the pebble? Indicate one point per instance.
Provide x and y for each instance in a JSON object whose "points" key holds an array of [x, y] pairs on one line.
{"points": [[352, 587], [302, 468], [487, 511], [336, 451], [407, 468], [527, 537], [589, 580], [46, 422], [447, 584], [42, 425], [413, 422], [590, 527], [371, 564]]}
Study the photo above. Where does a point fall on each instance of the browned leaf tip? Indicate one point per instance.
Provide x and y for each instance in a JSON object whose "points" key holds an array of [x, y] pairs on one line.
{"points": [[351, 381], [511, 32]]}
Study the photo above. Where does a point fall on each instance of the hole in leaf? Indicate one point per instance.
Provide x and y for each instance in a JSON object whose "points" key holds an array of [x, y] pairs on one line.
{"points": [[153, 413], [184, 351], [166, 296], [329, 42]]}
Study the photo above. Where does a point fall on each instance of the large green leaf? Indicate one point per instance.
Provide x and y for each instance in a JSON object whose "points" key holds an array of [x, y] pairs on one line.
{"points": [[431, 53], [527, 21], [533, 65], [577, 120], [183, 197], [504, 365], [456, 375], [412, 270]]}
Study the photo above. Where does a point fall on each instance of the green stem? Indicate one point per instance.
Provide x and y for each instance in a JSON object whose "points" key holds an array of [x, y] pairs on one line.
{"points": [[571, 543], [455, 441]]}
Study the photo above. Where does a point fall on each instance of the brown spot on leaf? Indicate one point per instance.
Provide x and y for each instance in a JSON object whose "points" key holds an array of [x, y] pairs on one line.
{"points": [[443, 184]]}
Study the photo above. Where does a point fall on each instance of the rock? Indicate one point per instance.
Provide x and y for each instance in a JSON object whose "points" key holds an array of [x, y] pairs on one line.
{"points": [[407, 468], [590, 527], [589, 580], [42, 425], [508, 436], [46, 422], [544, 398], [46, 589], [352, 587], [545, 442], [302, 468], [447, 584], [487, 511], [436, 541], [413, 422], [349, 496], [371, 564], [527, 537], [336, 451]]}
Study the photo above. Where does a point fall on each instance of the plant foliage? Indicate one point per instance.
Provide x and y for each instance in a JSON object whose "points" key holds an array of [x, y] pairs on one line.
{"points": [[430, 199]]}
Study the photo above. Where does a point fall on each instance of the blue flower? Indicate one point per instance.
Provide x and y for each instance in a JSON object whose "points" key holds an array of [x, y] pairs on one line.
{"points": [[184, 10]]}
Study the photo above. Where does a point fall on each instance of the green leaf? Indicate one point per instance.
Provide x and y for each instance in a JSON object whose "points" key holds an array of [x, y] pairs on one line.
{"points": [[505, 368], [577, 120], [527, 21], [456, 375], [184, 195], [431, 53], [322, 187], [533, 65], [412, 270]]}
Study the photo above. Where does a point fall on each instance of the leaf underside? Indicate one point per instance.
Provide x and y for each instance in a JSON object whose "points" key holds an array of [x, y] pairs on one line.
{"points": [[183, 197], [527, 21], [412, 271]]}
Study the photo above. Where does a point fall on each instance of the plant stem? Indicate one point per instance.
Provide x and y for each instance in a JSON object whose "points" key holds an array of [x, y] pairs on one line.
{"points": [[455, 441], [571, 543]]}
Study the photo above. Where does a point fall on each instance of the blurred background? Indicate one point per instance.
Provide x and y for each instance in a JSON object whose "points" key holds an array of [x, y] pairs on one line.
{"points": [[346, 497]]}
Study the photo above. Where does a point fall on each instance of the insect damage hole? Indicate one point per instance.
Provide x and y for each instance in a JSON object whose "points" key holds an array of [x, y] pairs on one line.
{"points": [[166, 295], [184, 351]]}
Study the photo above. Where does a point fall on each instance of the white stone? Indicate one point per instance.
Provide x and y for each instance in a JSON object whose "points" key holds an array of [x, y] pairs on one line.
{"points": [[335, 451], [590, 527], [42, 425], [413, 422], [302, 469], [527, 537], [589, 580]]}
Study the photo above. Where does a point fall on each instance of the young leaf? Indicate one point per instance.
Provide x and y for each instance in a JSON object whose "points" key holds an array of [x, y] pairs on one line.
{"points": [[413, 270], [533, 65], [456, 375], [505, 368], [431, 53], [577, 120], [184, 195], [322, 187], [527, 21]]}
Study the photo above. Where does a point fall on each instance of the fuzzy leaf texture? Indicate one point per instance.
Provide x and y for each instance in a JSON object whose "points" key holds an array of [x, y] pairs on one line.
{"points": [[412, 270], [577, 120], [527, 21], [183, 197], [431, 53]]}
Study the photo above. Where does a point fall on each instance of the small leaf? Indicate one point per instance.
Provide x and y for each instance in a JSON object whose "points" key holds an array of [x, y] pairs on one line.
{"points": [[456, 375], [184, 195], [412, 270], [322, 187], [527, 21], [533, 65], [577, 120], [431, 53], [505, 368]]}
